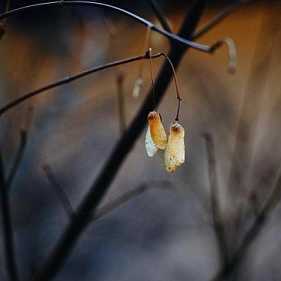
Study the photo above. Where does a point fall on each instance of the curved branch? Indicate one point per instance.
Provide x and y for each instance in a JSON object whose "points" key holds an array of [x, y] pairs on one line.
{"points": [[231, 66], [197, 46], [18, 158], [69, 79]]}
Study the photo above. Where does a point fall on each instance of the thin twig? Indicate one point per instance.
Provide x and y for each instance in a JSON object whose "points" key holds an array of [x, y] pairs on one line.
{"points": [[218, 18], [121, 103], [159, 14], [69, 79], [8, 232], [100, 186], [128, 196], [269, 206], [59, 191], [218, 223], [21, 148], [108, 207], [172, 36], [18, 158]]}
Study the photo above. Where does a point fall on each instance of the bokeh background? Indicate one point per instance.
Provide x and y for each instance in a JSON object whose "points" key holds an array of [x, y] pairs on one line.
{"points": [[164, 234]]}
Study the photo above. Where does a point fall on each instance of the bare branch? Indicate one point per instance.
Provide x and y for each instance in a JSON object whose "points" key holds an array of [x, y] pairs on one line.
{"points": [[218, 18], [8, 232], [18, 158], [107, 208], [59, 191], [159, 14], [69, 79], [128, 196], [100, 186], [169, 35], [269, 206], [215, 204]]}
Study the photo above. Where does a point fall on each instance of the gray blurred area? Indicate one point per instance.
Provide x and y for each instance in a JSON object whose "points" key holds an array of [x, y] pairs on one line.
{"points": [[165, 234]]}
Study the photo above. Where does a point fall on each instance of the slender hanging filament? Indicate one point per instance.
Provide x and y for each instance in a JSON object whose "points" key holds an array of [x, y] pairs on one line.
{"points": [[179, 98]]}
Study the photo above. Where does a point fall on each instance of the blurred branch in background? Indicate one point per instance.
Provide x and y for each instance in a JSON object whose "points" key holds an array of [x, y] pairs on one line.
{"points": [[69, 79], [7, 221], [21, 148], [160, 15], [169, 35], [217, 19], [230, 44], [108, 207], [250, 237], [8, 231], [61, 194], [218, 220]]}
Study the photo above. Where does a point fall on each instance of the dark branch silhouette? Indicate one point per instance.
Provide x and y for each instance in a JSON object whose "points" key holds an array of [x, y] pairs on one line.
{"points": [[18, 158], [169, 35], [218, 18], [72, 78], [8, 232]]}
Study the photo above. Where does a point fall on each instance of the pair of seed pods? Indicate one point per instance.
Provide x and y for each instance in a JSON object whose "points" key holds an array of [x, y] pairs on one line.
{"points": [[173, 145]]}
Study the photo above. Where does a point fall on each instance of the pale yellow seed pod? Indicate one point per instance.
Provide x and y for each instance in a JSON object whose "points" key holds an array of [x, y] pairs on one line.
{"points": [[157, 130], [175, 151]]}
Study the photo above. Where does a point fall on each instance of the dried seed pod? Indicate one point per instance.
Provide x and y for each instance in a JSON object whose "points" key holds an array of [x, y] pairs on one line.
{"points": [[175, 151], [157, 131], [150, 146], [137, 87]]}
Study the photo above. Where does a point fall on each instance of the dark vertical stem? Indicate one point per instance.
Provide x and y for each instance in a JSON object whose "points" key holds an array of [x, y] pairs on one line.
{"points": [[18, 158], [8, 234], [100, 186]]}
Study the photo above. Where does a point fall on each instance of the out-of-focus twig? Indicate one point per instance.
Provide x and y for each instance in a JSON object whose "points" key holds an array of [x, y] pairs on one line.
{"points": [[121, 102], [219, 226], [218, 18], [62, 196], [128, 196], [169, 35], [21, 148], [108, 207], [8, 232], [268, 207], [159, 14], [69, 79], [18, 158]]}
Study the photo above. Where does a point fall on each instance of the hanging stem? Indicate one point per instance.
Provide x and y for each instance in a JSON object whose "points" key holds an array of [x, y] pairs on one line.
{"points": [[179, 98]]}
